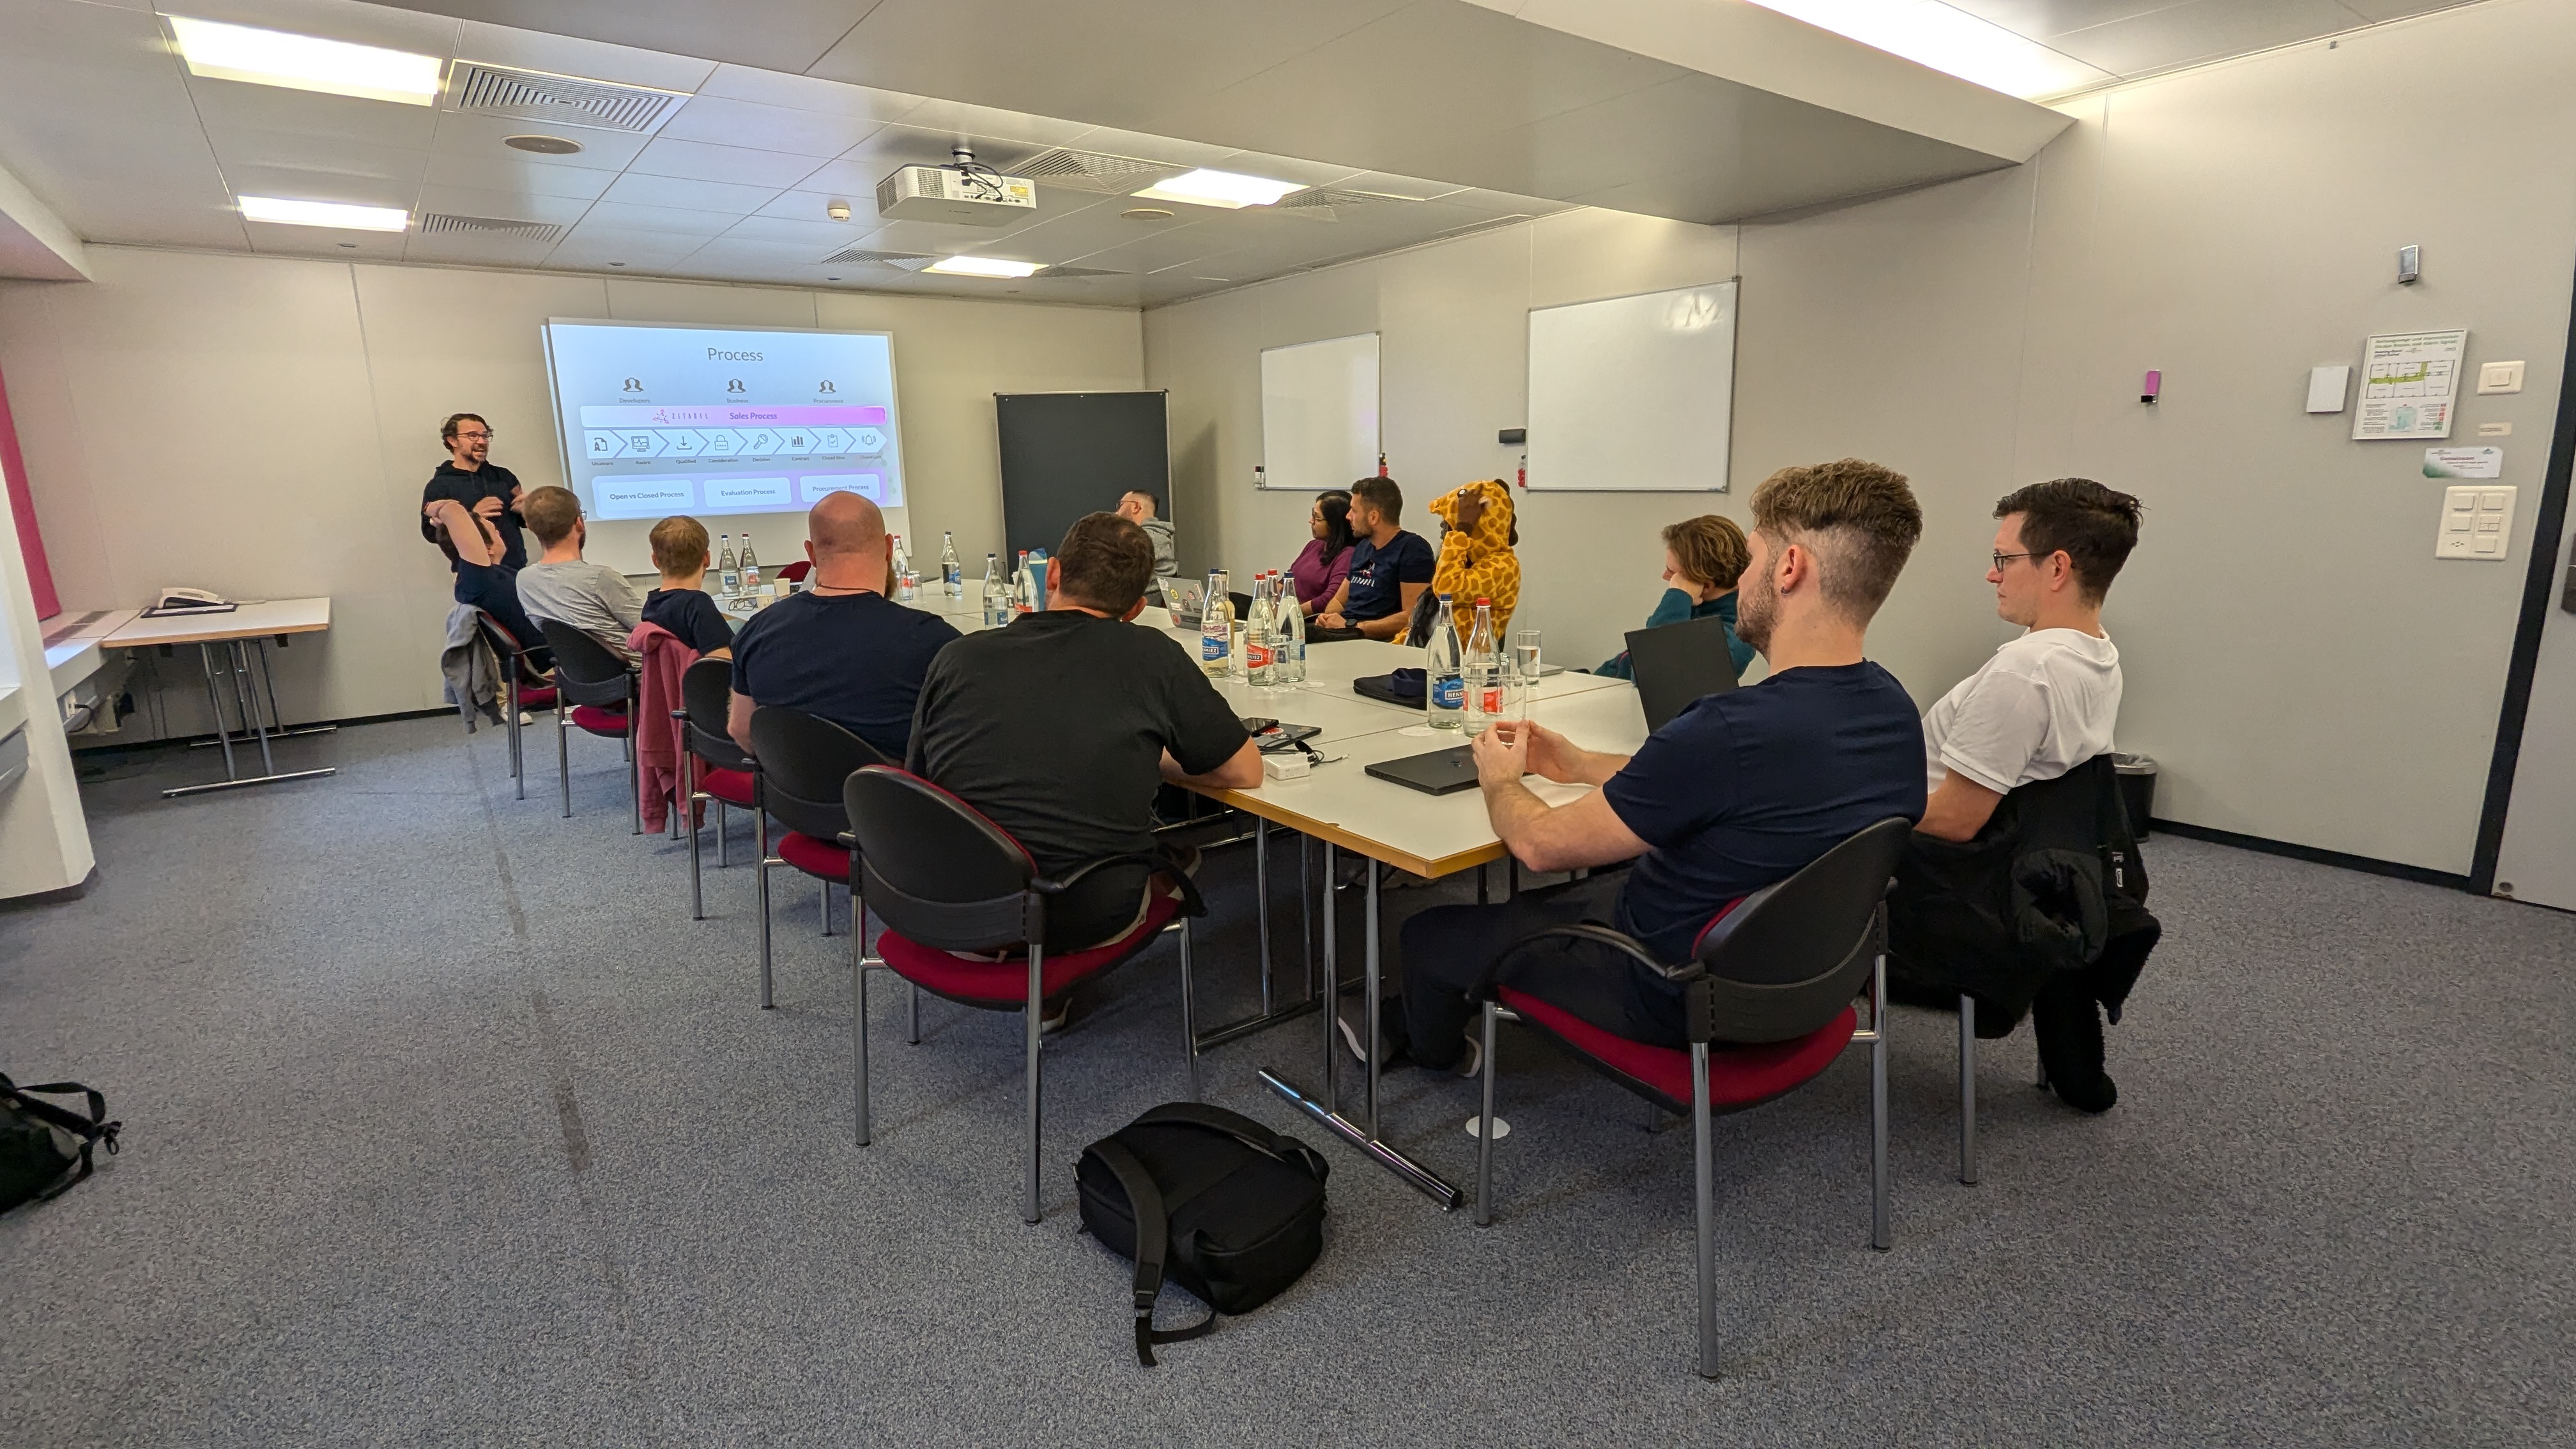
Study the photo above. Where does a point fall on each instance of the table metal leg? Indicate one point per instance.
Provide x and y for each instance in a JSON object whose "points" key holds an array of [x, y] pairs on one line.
{"points": [[1326, 1110], [1306, 907], [246, 697], [1261, 899], [267, 684], [1271, 1013]]}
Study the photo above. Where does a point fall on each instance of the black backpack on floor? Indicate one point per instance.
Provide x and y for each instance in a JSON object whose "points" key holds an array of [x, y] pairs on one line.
{"points": [[1233, 1210], [44, 1149]]}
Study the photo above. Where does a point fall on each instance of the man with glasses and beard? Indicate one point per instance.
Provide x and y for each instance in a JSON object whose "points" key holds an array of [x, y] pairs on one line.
{"points": [[485, 488]]}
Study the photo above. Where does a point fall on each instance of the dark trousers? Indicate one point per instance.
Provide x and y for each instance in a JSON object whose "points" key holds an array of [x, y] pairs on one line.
{"points": [[1447, 950]]}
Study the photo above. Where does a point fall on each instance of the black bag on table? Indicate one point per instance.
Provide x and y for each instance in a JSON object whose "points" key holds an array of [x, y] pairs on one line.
{"points": [[44, 1149], [1233, 1211]]}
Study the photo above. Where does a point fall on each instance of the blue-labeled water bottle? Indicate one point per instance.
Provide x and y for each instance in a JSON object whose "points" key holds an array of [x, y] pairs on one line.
{"points": [[1444, 670]]}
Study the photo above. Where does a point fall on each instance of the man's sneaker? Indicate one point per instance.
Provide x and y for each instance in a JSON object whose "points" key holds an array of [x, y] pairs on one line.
{"points": [[1474, 1061], [1054, 1020], [1390, 1029]]}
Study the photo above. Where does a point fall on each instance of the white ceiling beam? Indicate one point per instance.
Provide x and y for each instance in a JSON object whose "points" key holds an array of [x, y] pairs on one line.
{"points": [[35, 244]]}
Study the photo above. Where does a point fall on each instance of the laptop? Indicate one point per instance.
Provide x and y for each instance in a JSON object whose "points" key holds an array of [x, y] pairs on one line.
{"points": [[1186, 598], [1677, 664], [1441, 772]]}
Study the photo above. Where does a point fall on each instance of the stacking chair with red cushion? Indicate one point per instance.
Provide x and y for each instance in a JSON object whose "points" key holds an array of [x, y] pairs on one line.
{"points": [[1768, 997], [964, 911], [713, 767], [525, 687], [803, 762], [600, 687]]}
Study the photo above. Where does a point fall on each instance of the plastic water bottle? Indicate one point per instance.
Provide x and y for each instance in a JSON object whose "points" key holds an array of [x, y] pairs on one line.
{"points": [[1216, 628], [1292, 638], [950, 574], [728, 573], [1260, 636], [750, 567], [997, 595], [1484, 671], [1443, 664]]}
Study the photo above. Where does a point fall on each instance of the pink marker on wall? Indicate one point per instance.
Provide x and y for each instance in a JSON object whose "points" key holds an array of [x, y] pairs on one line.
{"points": [[2155, 384]]}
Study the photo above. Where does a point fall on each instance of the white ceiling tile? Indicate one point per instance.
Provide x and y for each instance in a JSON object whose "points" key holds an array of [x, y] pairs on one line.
{"points": [[484, 251], [78, 61], [660, 220], [747, 252], [807, 93], [585, 59], [502, 205], [324, 241], [674, 191], [1284, 168], [699, 161], [1387, 183], [1143, 147], [289, 150], [241, 106], [2202, 30], [308, 184], [1093, 229], [819, 236], [768, 128], [601, 244], [464, 135], [804, 205], [512, 171]]}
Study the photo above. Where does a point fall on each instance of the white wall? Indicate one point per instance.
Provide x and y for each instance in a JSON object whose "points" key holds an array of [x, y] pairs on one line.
{"points": [[263, 426], [2297, 660]]}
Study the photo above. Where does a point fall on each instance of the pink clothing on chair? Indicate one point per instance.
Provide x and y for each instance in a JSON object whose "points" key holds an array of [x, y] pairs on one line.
{"points": [[657, 736]]}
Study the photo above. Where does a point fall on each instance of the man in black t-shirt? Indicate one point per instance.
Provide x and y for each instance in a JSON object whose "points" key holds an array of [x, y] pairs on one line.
{"points": [[681, 604], [1390, 568], [1741, 790], [841, 650], [470, 477], [1062, 726]]}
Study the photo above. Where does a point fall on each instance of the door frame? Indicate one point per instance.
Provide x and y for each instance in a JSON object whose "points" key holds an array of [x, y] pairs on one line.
{"points": [[2540, 578]]}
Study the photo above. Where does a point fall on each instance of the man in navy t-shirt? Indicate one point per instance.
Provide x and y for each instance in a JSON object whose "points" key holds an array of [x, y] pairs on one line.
{"points": [[1389, 567], [841, 650], [1742, 790]]}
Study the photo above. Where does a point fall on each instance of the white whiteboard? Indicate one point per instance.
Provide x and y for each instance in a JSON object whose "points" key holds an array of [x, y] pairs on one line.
{"points": [[1635, 394], [1319, 413]]}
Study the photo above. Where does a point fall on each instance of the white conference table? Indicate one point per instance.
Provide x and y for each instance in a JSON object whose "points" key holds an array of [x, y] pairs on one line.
{"points": [[243, 632]]}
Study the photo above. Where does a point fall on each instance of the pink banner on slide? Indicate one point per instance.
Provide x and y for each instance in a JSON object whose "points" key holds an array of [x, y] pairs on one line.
{"points": [[718, 415]]}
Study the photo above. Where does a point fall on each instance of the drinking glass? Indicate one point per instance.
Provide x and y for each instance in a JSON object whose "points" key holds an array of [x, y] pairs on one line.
{"points": [[1525, 655]]}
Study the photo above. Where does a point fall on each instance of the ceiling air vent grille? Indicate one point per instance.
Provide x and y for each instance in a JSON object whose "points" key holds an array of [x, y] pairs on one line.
{"points": [[1318, 203], [440, 223], [499, 91], [1081, 272], [861, 256], [1094, 171]]}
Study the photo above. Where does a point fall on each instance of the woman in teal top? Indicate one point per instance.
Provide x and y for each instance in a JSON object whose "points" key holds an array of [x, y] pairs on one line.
{"points": [[1703, 559]]}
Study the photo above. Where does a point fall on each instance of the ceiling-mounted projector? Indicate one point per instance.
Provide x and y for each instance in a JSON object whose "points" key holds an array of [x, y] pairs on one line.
{"points": [[964, 194]]}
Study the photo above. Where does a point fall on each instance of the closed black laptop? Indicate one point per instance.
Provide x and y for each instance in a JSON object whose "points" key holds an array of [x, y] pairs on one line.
{"points": [[1440, 772], [1678, 663]]}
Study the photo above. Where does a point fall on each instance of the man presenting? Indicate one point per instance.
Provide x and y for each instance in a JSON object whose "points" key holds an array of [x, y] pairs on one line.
{"points": [[2044, 704], [470, 477], [1390, 568], [1138, 507], [1740, 791], [840, 649]]}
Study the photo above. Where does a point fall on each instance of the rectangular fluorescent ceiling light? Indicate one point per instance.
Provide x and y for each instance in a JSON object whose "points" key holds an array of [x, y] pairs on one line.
{"points": [[982, 267], [324, 213], [1220, 188], [301, 62], [1950, 40]]}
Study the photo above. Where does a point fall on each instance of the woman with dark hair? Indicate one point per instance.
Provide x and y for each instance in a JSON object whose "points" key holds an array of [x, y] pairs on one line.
{"points": [[1318, 572]]}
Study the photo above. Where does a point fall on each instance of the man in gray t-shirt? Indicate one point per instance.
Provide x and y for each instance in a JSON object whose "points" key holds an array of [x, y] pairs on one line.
{"points": [[567, 588]]}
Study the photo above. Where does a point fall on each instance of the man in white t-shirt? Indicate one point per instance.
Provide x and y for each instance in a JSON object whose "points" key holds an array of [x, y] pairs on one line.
{"points": [[2044, 704]]}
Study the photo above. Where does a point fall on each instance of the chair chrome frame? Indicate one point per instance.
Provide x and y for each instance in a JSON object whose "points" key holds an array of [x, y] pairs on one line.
{"points": [[1695, 979], [567, 689]]}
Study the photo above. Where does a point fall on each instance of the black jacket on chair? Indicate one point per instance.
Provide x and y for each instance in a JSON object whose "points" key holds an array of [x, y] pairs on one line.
{"points": [[2052, 883]]}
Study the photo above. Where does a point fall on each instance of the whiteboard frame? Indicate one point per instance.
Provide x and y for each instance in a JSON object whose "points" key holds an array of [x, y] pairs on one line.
{"points": [[1722, 445], [1271, 472]]}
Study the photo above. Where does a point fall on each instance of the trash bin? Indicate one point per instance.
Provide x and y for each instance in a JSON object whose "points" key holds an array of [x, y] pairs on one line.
{"points": [[2137, 790]]}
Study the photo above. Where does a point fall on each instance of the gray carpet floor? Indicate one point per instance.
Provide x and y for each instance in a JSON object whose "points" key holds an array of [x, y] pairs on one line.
{"points": [[445, 1125]]}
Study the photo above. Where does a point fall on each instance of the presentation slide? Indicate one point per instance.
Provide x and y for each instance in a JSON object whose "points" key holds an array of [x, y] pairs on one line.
{"points": [[657, 420]]}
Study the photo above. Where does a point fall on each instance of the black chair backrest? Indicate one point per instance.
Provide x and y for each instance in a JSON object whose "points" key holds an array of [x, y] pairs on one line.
{"points": [[522, 654], [585, 671], [1792, 955], [803, 762], [706, 693], [935, 870]]}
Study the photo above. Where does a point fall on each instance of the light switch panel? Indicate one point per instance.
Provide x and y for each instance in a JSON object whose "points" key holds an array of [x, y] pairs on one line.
{"points": [[2496, 377], [2477, 524], [2326, 387]]}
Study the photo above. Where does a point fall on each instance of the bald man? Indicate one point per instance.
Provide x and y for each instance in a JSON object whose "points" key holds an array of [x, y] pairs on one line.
{"points": [[841, 649]]}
